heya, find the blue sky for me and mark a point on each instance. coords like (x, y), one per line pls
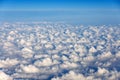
(82, 11)
(58, 4)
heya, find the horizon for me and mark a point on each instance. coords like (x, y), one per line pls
(70, 11)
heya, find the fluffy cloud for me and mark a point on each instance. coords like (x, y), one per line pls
(73, 76)
(92, 50)
(46, 62)
(105, 55)
(59, 51)
(8, 45)
(27, 53)
(118, 54)
(4, 76)
(102, 71)
(8, 63)
(69, 65)
(29, 69)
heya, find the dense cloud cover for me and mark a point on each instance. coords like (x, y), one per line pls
(57, 51)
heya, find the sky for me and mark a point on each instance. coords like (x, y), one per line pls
(80, 11)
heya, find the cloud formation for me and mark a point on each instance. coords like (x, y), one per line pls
(57, 51)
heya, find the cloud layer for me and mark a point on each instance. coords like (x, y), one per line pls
(57, 51)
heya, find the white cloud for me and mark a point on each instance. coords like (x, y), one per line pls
(48, 46)
(80, 48)
(92, 50)
(8, 63)
(55, 56)
(101, 42)
(117, 54)
(88, 59)
(99, 47)
(27, 52)
(105, 55)
(73, 34)
(46, 49)
(4, 76)
(74, 57)
(102, 71)
(43, 41)
(46, 62)
(41, 55)
(10, 38)
(68, 65)
(8, 45)
(73, 76)
(29, 69)
(64, 58)
(83, 40)
(22, 42)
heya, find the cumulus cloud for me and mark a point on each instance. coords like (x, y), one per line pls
(92, 50)
(118, 54)
(27, 52)
(29, 69)
(102, 71)
(105, 55)
(59, 51)
(73, 76)
(4, 76)
(49, 46)
(8, 63)
(46, 62)
(8, 45)
(68, 64)
(80, 48)
(88, 59)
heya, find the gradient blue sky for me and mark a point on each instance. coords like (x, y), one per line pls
(58, 4)
(81, 11)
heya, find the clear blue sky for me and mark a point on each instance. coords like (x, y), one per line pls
(58, 4)
(83, 11)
